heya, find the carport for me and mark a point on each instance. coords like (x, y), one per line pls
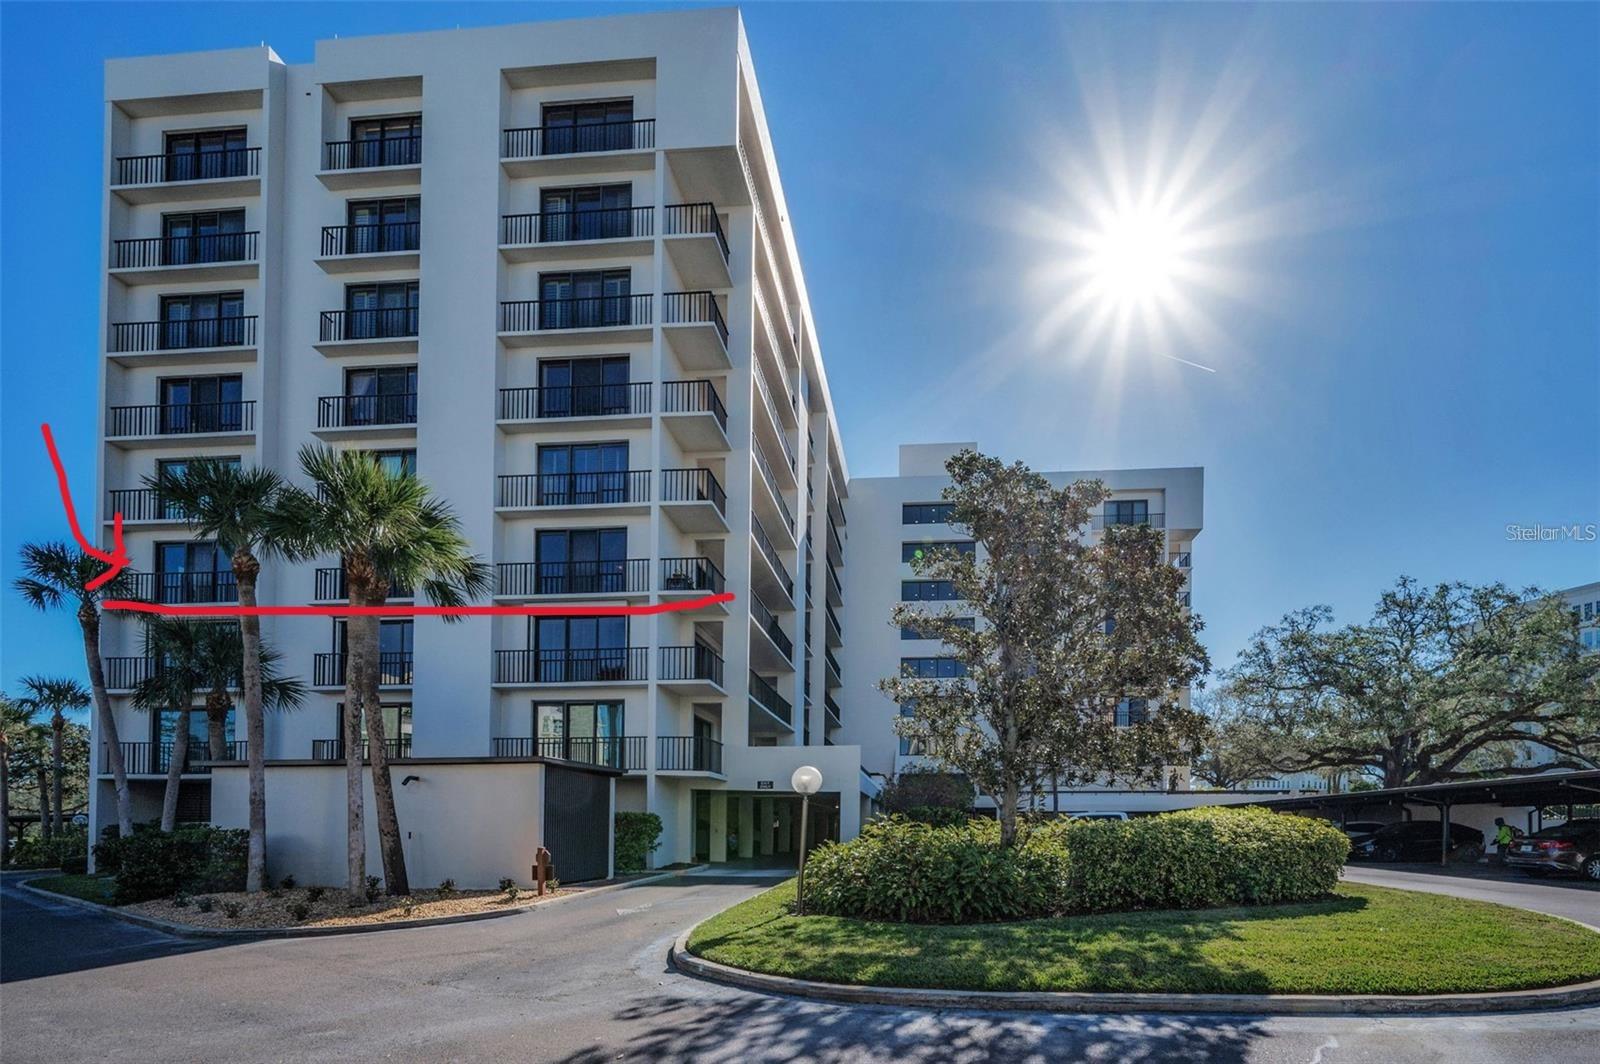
(1548, 790)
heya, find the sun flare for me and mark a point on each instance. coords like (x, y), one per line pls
(1136, 257)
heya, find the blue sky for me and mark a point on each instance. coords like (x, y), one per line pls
(1399, 282)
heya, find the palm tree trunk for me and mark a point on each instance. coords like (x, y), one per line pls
(89, 621)
(389, 844)
(245, 571)
(58, 724)
(217, 706)
(180, 754)
(43, 777)
(361, 653)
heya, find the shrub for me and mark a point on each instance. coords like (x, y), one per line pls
(910, 872)
(76, 865)
(232, 909)
(194, 858)
(72, 846)
(205, 904)
(314, 894)
(638, 836)
(374, 888)
(507, 883)
(287, 882)
(930, 796)
(447, 887)
(299, 910)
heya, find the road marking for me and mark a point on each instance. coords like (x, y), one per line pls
(635, 909)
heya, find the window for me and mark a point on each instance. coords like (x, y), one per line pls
(383, 225)
(394, 649)
(585, 300)
(386, 141)
(579, 649)
(911, 632)
(593, 212)
(910, 552)
(927, 591)
(167, 468)
(375, 311)
(933, 668)
(396, 727)
(591, 732)
(1127, 512)
(202, 404)
(385, 396)
(578, 387)
(401, 463)
(213, 319)
(193, 572)
(1132, 711)
(602, 126)
(204, 236)
(581, 561)
(206, 154)
(926, 513)
(164, 728)
(910, 747)
(583, 473)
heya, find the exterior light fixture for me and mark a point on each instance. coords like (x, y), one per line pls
(806, 781)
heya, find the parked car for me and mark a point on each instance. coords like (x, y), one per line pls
(1570, 847)
(1097, 816)
(1361, 830)
(1416, 840)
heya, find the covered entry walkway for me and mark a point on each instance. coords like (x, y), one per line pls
(759, 828)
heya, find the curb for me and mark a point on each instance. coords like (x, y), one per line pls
(1121, 1003)
(252, 933)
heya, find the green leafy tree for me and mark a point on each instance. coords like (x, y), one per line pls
(56, 575)
(1436, 676)
(1068, 626)
(57, 694)
(238, 509)
(383, 526)
(18, 731)
(1235, 747)
(929, 795)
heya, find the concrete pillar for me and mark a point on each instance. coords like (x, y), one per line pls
(849, 816)
(719, 827)
(747, 826)
(764, 826)
(786, 827)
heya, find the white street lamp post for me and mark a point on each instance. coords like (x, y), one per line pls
(806, 781)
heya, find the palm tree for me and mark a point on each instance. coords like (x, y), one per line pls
(16, 720)
(57, 694)
(56, 575)
(237, 508)
(385, 527)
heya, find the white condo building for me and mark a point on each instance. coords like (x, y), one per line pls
(548, 267)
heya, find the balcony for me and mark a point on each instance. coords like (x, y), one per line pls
(697, 245)
(150, 425)
(218, 173)
(201, 257)
(772, 649)
(834, 679)
(1102, 521)
(378, 331)
(835, 588)
(835, 631)
(175, 343)
(692, 578)
(694, 500)
(348, 164)
(835, 545)
(596, 233)
(376, 246)
(603, 147)
(693, 412)
(142, 506)
(623, 491)
(153, 759)
(625, 752)
(585, 405)
(692, 670)
(614, 319)
(770, 711)
(609, 579)
(394, 669)
(689, 754)
(397, 748)
(125, 673)
(835, 720)
(330, 586)
(343, 417)
(173, 588)
(586, 667)
(770, 574)
(777, 510)
(694, 328)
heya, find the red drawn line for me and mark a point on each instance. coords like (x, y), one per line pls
(117, 559)
(418, 611)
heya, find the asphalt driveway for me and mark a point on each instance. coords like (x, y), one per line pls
(1572, 898)
(586, 981)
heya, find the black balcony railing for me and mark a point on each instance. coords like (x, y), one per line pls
(198, 250)
(768, 623)
(693, 485)
(333, 749)
(624, 752)
(394, 669)
(833, 621)
(770, 553)
(584, 400)
(763, 694)
(574, 489)
(530, 579)
(686, 219)
(345, 411)
(384, 323)
(331, 587)
(371, 239)
(142, 504)
(598, 223)
(531, 142)
(833, 709)
(834, 672)
(183, 587)
(360, 154)
(693, 397)
(153, 759)
(188, 166)
(126, 673)
(691, 574)
(591, 665)
(587, 312)
(697, 662)
(133, 336)
(688, 753)
(179, 419)
(693, 308)
(1110, 520)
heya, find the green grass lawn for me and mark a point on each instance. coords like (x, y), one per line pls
(89, 888)
(1365, 940)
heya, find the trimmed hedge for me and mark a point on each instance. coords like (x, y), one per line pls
(907, 872)
(54, 852)
(195, 859)
(638, 836)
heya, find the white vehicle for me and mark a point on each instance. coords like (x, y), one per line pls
(1097, 816)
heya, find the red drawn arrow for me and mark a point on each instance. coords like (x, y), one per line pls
(118, 558)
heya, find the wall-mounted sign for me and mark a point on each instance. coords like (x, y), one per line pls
(763, 785)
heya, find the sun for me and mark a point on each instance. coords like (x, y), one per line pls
(1135, 257)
